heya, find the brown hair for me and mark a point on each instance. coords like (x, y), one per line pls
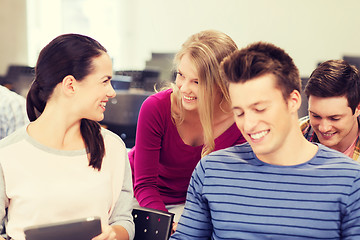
(335, 78)
(262, 58)
(68, 54)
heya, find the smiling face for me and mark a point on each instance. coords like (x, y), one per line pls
(333, 121)
(95, 89)
(187, 81)
(261, 114)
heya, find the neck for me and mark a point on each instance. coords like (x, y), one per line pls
(295, 154)
(192, 116)
(57, 130)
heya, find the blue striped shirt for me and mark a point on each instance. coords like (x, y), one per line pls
(234, 195)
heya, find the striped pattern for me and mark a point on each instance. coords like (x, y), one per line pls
(233, 195)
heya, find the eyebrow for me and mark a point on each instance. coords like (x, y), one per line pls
(252, 105)
(107, 77)
(335, 115)
(179, 71)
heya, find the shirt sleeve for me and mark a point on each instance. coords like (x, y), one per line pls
(350, 226)
(13, 112)
(150, 130)
(122, 213)
(195, 222)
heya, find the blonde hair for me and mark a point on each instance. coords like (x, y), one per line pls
(206, 50)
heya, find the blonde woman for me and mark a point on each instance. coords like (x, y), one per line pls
(178, 126)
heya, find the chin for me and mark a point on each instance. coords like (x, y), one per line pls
(190, 107)
(329, 144)
(96, 119)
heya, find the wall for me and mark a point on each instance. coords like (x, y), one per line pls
(309, 30)
(13, 47)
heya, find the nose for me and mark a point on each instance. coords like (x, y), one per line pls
(111, 93)
(324, 126)
(250, 122)
(184, 86)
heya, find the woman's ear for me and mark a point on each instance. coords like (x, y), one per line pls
(294, 101)
(68, 85)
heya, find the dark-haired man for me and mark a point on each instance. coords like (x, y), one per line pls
(333, 93)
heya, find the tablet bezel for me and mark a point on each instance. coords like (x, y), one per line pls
(80, 229)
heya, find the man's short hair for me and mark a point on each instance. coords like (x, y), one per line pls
(262, 58)
(335, 78)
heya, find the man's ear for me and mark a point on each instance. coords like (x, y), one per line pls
(357, 110)
(294, 101)
(68, 85)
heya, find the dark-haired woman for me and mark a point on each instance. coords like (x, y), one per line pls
(63, 165)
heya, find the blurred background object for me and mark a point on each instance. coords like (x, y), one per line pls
(19, 78)
(142, 36)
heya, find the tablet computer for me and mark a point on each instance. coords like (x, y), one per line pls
(79, 229)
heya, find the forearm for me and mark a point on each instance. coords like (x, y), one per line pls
(146, 172)
(149, 136)
(149, 197)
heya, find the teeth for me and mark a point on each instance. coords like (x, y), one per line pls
(259, 135)
(328, 134)
(189, 98)
(103, 104)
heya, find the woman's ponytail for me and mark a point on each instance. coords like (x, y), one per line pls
(34, 104)
(91, 133)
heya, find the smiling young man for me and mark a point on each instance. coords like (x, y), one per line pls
(278, 185)
(333, 93)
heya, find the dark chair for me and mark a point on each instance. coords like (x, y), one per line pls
(151, 224)
(19, 78)
(122, 113)
(145, 79)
